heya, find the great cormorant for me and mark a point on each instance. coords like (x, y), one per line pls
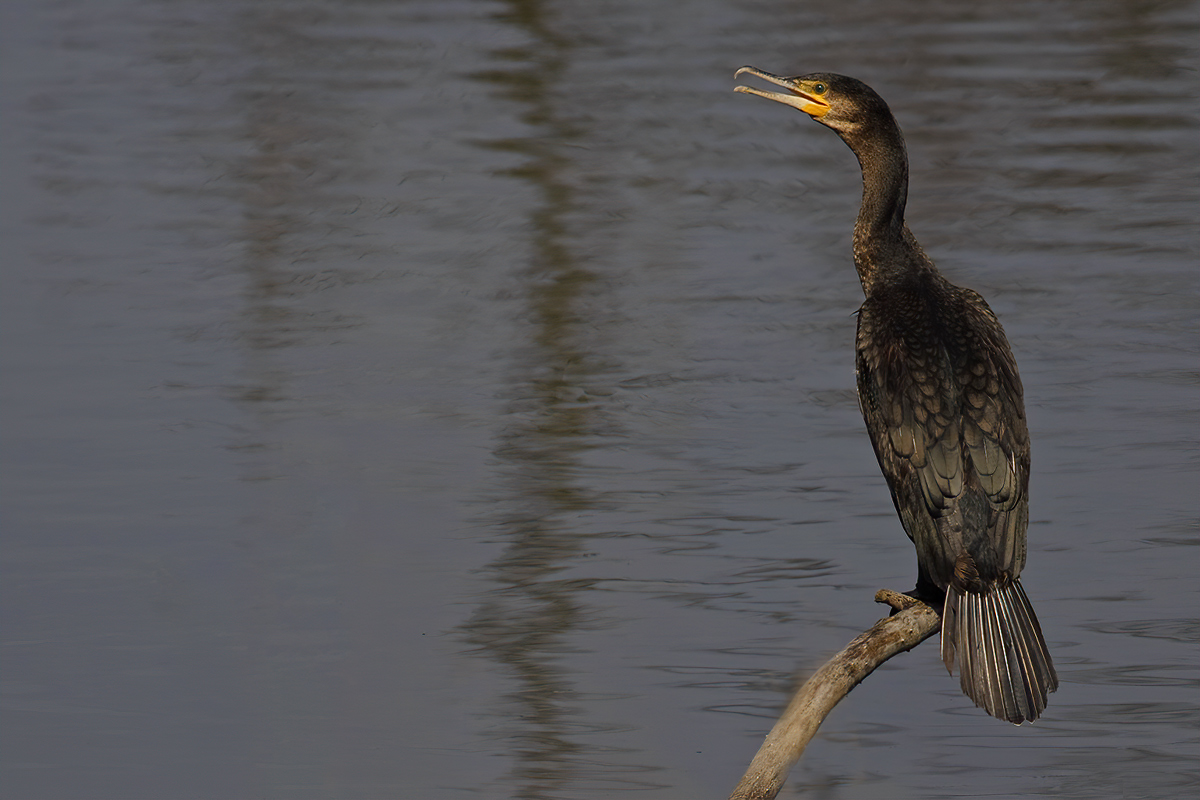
(939, 391)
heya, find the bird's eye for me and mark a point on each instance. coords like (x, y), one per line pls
(818, 88)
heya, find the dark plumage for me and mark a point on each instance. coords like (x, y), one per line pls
(943, 404)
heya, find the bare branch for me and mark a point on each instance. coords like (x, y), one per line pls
(913, 623)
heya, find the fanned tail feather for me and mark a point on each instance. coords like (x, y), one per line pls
(1004, 665)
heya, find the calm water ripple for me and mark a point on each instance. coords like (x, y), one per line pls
(455, 399)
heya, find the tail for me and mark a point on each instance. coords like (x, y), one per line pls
(1003, 662)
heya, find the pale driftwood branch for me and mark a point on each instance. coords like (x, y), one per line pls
(813, 701)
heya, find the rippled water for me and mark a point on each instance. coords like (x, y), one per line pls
(455, 399)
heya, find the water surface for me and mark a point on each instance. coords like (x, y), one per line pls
(455, 399)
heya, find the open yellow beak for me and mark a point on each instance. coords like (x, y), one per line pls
(807, 102)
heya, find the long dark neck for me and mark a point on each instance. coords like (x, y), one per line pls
(884, 163)
(883, 248)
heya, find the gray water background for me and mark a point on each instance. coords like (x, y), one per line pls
(455, 399)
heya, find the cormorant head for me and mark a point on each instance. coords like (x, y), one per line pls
(845, 104)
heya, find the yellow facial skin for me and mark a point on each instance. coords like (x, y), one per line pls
(805, 95)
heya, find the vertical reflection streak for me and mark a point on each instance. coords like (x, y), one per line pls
(525, 620)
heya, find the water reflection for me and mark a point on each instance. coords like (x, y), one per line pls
(283, 187)
(525, 621)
